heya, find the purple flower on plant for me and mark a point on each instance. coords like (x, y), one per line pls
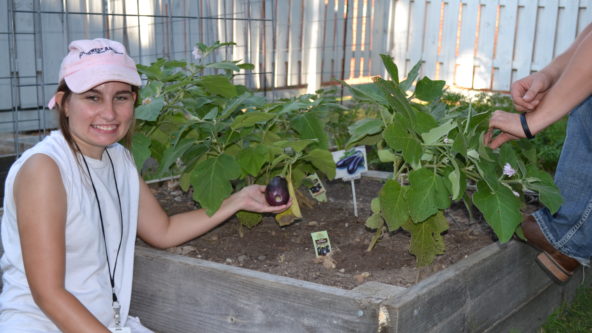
(196, 53)
(508, 170)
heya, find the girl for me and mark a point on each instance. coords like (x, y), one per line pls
(75, 202)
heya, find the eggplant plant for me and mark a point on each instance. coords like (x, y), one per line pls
(218, 136)
(438, 157)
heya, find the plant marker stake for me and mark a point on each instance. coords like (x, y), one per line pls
(354, 197)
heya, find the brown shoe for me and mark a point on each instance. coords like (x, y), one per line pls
(556, 264)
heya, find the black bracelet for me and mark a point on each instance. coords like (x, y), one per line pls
(525, 126)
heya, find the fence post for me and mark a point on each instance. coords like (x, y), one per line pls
(312, 42)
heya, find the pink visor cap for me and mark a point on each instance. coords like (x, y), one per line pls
(93, 62)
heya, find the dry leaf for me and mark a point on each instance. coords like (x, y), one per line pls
(360, 278)
(327, 261)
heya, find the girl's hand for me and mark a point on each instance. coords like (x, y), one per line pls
(252, 198)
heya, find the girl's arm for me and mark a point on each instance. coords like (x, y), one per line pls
(40, 200)
(162, 231)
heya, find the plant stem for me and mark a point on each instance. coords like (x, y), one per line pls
(468, 117)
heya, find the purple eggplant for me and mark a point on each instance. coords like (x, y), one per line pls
(276, 192)
(346, 161)
(353, 165)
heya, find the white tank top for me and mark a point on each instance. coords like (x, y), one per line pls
(87, 275)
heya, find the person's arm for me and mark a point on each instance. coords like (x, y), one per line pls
(41, 213)
(156, 228)
(571, 88)
(528, 92)
(573, 85)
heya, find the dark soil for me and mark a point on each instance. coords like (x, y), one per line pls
(288, 251)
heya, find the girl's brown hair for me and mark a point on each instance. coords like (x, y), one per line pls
(63, 119)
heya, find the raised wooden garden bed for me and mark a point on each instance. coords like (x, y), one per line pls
(496, 289)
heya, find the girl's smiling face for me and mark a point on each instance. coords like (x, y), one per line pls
(100, 116)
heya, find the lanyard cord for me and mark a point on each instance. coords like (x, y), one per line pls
(111, 275)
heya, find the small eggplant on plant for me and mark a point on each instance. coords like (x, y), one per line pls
(276, 192)
(293, 213)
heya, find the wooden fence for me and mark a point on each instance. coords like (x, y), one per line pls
(475, 44)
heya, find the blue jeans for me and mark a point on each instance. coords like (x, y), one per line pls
(570, 229)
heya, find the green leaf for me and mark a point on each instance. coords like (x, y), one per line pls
(390, 66)
(508, 155)
(218, 85)
(249, 219)
(436, 133)
(413, 73)
(297, 145)
(409, 123)
(151, 110)
(488, 172)
(174, 64)
(399, 139)
(428, 90)
(246, 66)
(154, 71)
(460, 145)
(427, 194)
(386, 155)
(368, 92)
(226, 65)
(426, 238)
(309, 126)
(501, 209)
(235, 103)
(375, 221)
(396, 99)
(369, 140)
(322, 160)
(394, 205)
(458, 183)
(172, 153)
(211, 181)
(140, 149)
(212, 114)
(438, 110)
(375, 205)
(150, 90)
(424, 122)
(251, 118)
(472, 153)
(549, 195)
(252, 159)
(185, 181)
(193, 155)
(362, 128)
(548, 192)
(289, 107)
